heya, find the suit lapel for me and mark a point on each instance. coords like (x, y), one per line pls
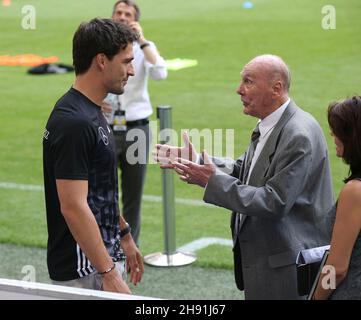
(263, 162)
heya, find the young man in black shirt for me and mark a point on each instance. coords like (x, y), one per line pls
(87, 237)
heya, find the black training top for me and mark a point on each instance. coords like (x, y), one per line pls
(78, 145)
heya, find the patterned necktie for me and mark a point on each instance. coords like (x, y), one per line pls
(252, 147)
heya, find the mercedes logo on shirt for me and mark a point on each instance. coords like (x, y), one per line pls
(103, 135)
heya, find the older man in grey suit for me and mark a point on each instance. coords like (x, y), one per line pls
(279, 191)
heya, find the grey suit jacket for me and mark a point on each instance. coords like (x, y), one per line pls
(287, 205)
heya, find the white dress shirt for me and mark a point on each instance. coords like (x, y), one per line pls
(266, 127)
(135, 99)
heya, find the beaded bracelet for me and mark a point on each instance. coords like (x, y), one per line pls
(108, 270)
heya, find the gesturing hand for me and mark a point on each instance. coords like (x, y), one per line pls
(194, 173)
(165, 154)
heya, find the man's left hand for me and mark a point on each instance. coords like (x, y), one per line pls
(134, 259)
(194, 173)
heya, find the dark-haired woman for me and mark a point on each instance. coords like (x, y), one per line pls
(344, 119)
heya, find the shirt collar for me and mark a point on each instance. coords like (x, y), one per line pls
(271, 120)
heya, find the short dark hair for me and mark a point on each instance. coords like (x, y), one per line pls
(131, 4)
(344, 119)
(99, 36)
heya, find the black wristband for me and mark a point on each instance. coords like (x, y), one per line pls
(108, 270)
(145, 44)
(125, 231)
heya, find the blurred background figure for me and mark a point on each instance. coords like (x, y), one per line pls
(128, 115)
(344, 119)
(6, 3)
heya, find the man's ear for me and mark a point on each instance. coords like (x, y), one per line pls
(278, 88)
(100, 61)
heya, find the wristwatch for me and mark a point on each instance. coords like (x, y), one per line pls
(145, 44)
(125, 231)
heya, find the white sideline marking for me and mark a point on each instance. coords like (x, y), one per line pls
(189, 247)
(203, 243)
(146, 197)
(18, 186)
(190, 202)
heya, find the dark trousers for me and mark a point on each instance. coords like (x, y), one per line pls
(132, 149)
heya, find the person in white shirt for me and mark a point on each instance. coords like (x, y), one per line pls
(279, 190)
(128, 115)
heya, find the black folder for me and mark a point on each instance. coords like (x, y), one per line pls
(308, 266)
(317, 278)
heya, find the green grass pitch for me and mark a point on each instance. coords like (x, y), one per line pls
(222, 36)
